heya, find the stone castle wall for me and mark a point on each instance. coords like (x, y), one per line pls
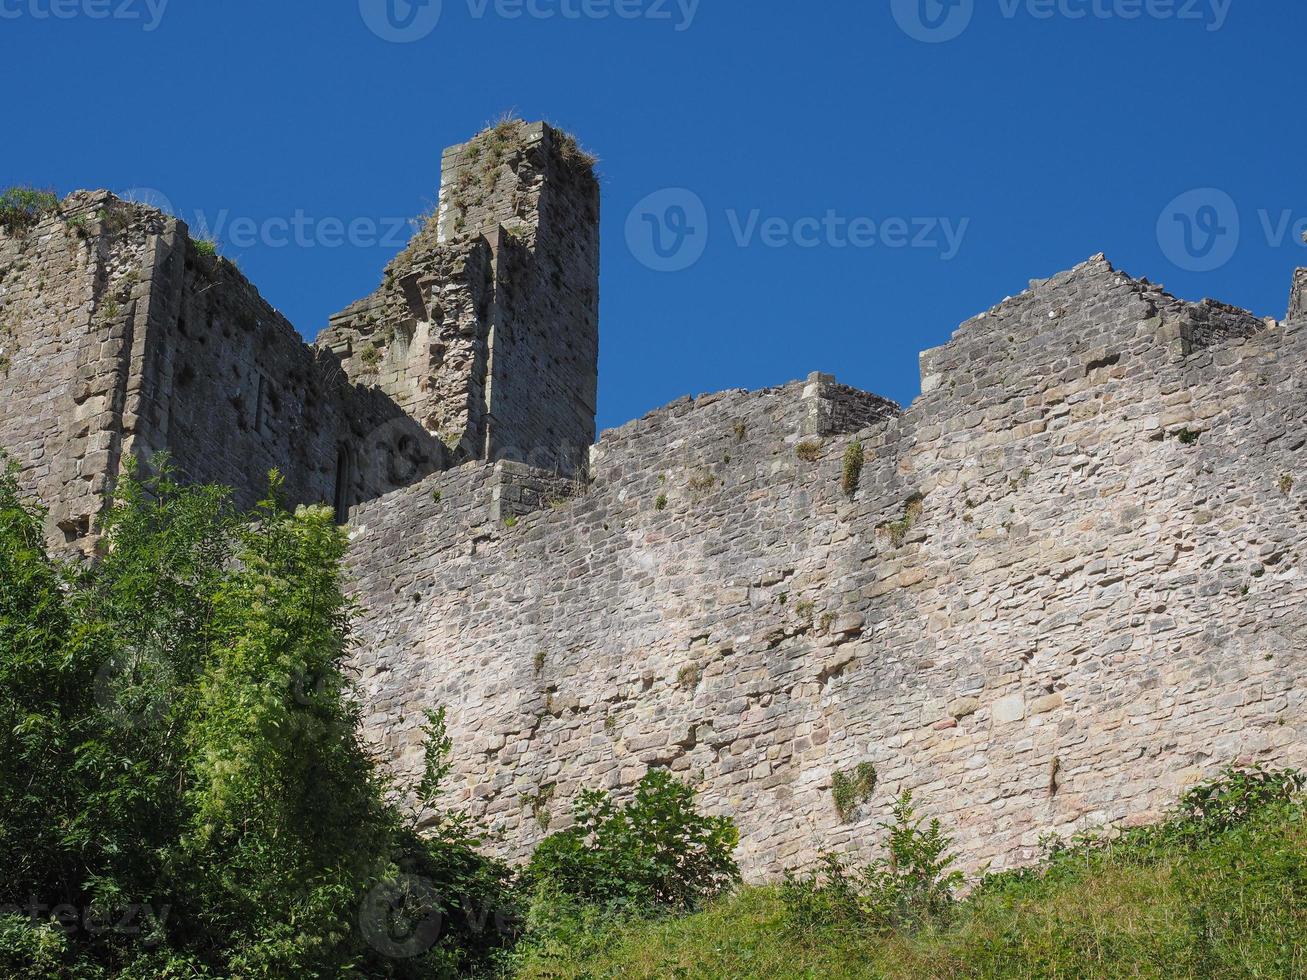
(70, 323)
(1298, 298)
(1068, 585)
(231, 391)
(1061, 586)
(122, 338)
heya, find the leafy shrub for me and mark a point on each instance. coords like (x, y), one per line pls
(22, 207)
(34, 948)
(1180, 899)
(179, 749)
(913, 884)
(915, 880)
(829, 897)
(1236, 797)
(655, 853)
(1231, 907)
(206, 247)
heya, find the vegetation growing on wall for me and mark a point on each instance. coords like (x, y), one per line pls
(897, 531)
(851, 789)
(22, 207)
(370, 357)
(851, 475)
(809, 450)
(207, 247)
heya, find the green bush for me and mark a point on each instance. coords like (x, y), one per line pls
(1236, 797)
(181, 773)
(912, 885)
(206, 247)
(656, 853)
(829, 897)
(22, 207)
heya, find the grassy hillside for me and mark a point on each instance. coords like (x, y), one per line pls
(1232, 903)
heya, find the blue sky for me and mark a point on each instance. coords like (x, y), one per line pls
(863, 189)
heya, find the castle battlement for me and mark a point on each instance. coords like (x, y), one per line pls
(1061, 586)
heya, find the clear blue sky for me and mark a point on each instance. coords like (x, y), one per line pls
(1044, 137)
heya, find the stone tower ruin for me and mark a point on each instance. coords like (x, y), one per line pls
(122, 337)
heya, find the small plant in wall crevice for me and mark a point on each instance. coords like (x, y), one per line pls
(809, 450)
(854, 459)
(898, 530)
(206, 247)
(852, 788)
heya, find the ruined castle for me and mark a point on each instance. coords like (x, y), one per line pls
(1062, 585)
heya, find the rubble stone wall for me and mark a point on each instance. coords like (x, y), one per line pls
(74, 310)
(1067, 585)
(119, 336)
(231, 391)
